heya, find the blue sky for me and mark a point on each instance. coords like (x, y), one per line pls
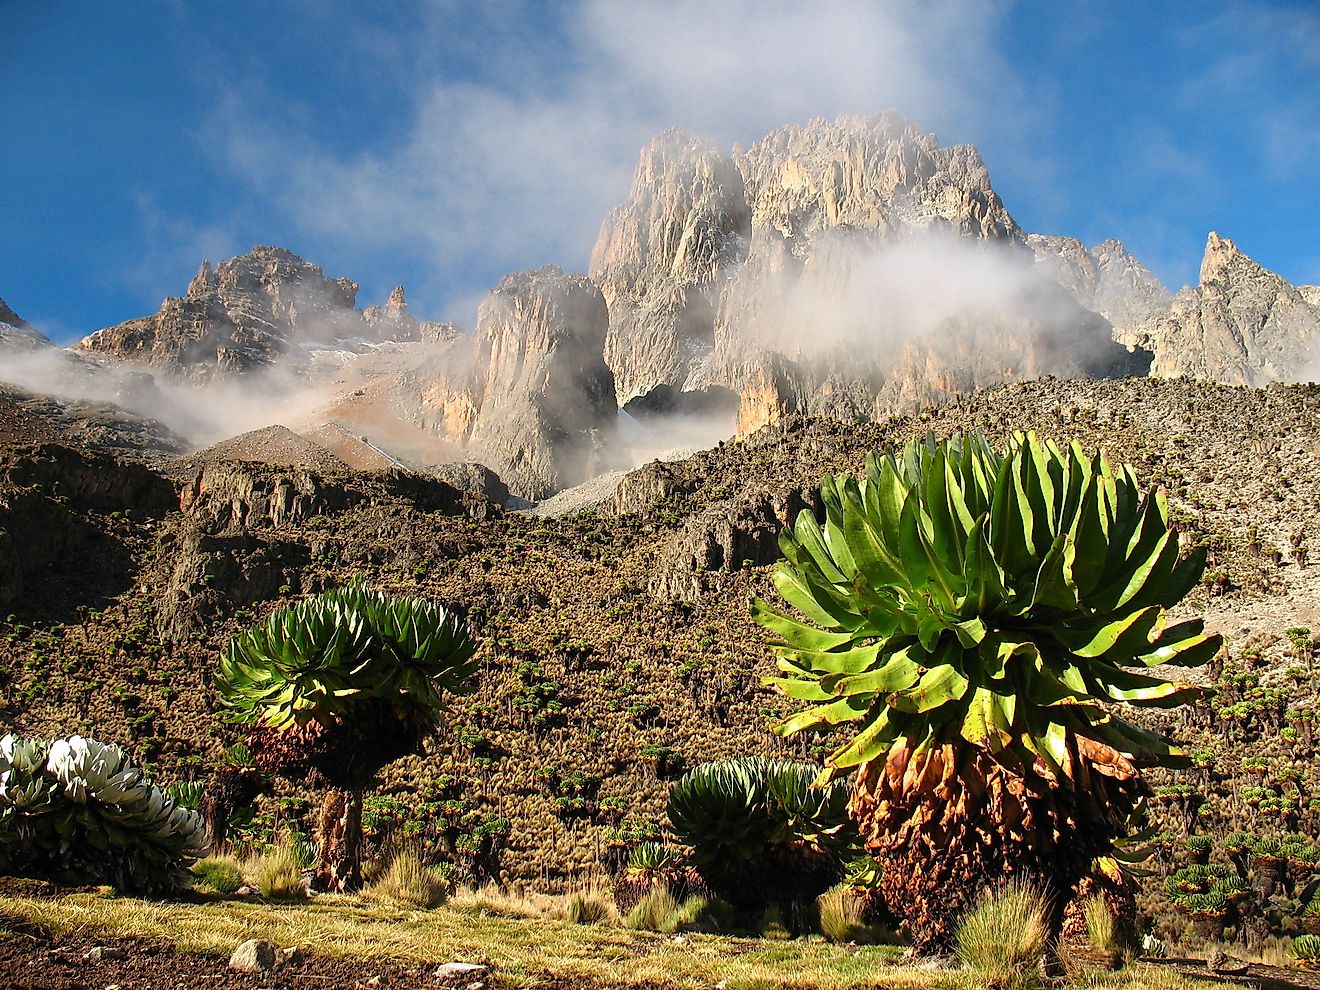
(442, 144)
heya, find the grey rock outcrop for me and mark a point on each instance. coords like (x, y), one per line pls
(1106, 279)
(528, 392)
(236, 495)
(17, 334)
(254, 956)
(1242, 325)
(661, 259)
(245, 313)
(469, 476)
(393, 321)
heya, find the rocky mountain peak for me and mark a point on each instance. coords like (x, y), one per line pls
(203, 282)
(17, 334)
(248, 311)
(1106, 279)
(879, 173)
(708, 247)
(1243, 325)
(7, 315)
(395, 306)
(661, 257)
(1222, 260)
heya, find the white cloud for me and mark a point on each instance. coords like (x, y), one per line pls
(519, 170)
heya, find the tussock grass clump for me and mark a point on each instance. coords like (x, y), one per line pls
(654, 913)
(842, 918)
(590, 907)
(1003, 937)
(279, 874)
(1101, 926)
(408, 882)
(221, 874)
(772, 924)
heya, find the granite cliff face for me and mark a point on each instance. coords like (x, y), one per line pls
(802, 269)
(528, 392)
(1243, 325)
(661, 259)
(245, 313)
(1106, 279)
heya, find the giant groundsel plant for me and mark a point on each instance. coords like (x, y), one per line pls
(77, 811)
(978, 619)
(759, 832)
(341, 684)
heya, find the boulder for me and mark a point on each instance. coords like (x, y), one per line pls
(256, 955)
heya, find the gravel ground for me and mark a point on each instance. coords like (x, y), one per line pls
(588, 495)
(270, 445)
(32, 962)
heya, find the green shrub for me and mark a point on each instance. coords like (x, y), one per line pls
(77, 811)
(759, 831)
(218, 873)
(1003, 937)
(302, 848)
(408, 882)
(1306, 950)
(652, 857)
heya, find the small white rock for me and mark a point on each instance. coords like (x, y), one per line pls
(453, 970)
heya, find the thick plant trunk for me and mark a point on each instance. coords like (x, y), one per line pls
(340, 840)
(215, 815)
(953, 821)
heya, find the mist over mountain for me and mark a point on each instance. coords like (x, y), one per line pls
(852, 269)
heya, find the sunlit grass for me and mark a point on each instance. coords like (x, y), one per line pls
(522, 950)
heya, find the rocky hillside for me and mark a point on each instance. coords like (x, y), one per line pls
(1243, 324)
(617, 645)
(251, 310)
